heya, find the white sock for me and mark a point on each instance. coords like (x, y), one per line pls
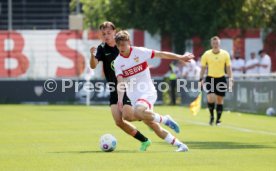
(172, 140)
(159, 119)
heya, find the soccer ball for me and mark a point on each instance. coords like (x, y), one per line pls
(270, 111)
(108, 143)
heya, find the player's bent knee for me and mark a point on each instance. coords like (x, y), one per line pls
(128, 113)
(127, 117)
(138, 111)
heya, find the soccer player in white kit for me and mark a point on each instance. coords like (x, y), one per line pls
(131, 67)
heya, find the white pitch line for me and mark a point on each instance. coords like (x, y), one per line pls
(234, 128)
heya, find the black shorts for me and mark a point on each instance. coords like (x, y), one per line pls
(113, 99)
(216, 85)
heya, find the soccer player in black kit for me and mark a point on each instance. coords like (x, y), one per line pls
(107, 52)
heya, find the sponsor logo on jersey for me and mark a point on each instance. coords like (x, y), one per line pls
(135, 69)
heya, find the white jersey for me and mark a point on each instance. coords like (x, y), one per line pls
(265, 61)
(237, 64)
(135, 71)
(251, 62)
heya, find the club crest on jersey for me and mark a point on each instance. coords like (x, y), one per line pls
(136, 59)
(112, 65)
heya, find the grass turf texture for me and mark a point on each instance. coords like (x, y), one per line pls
(67, 137)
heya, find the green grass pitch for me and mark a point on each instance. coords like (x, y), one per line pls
(66, 138)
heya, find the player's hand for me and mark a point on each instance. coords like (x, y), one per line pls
(93, 50)
(120, 105)
(187, 57)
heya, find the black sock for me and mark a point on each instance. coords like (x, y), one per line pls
(140, 137)
(211, 107)
(219, 111)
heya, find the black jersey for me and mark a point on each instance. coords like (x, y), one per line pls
(107, 55)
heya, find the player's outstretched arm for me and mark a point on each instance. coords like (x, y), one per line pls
(168, 55)
(120, 91)
(93, 60)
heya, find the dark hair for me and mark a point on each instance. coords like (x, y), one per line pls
(122, 36)
(107, 24)
(261, 51)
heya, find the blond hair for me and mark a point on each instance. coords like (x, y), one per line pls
(122, 36)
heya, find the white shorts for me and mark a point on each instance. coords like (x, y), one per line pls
(145, 99)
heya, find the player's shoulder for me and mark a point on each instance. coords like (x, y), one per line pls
(101, 47)
(139, 49)
(207, 52)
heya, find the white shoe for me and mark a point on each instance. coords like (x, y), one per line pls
(182, 148)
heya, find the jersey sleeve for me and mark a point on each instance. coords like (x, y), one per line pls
(146, 53)
(99, 54)
(203, 61)
(228, 59)
(117, 68)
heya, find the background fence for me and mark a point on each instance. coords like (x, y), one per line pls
(253, 96)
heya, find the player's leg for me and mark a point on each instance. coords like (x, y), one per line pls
(167, 136)
(158, 130)
(117, 117)
(219, 108)
(211, 106)
(220, 93)
(210, 84)
(128, 114)
(143, 111)
(126, 126)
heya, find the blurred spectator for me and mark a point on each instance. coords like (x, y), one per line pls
(265, 63)
(251, 66)
(238, 65)
(198, 62)
(190, 71)
(173, 74)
